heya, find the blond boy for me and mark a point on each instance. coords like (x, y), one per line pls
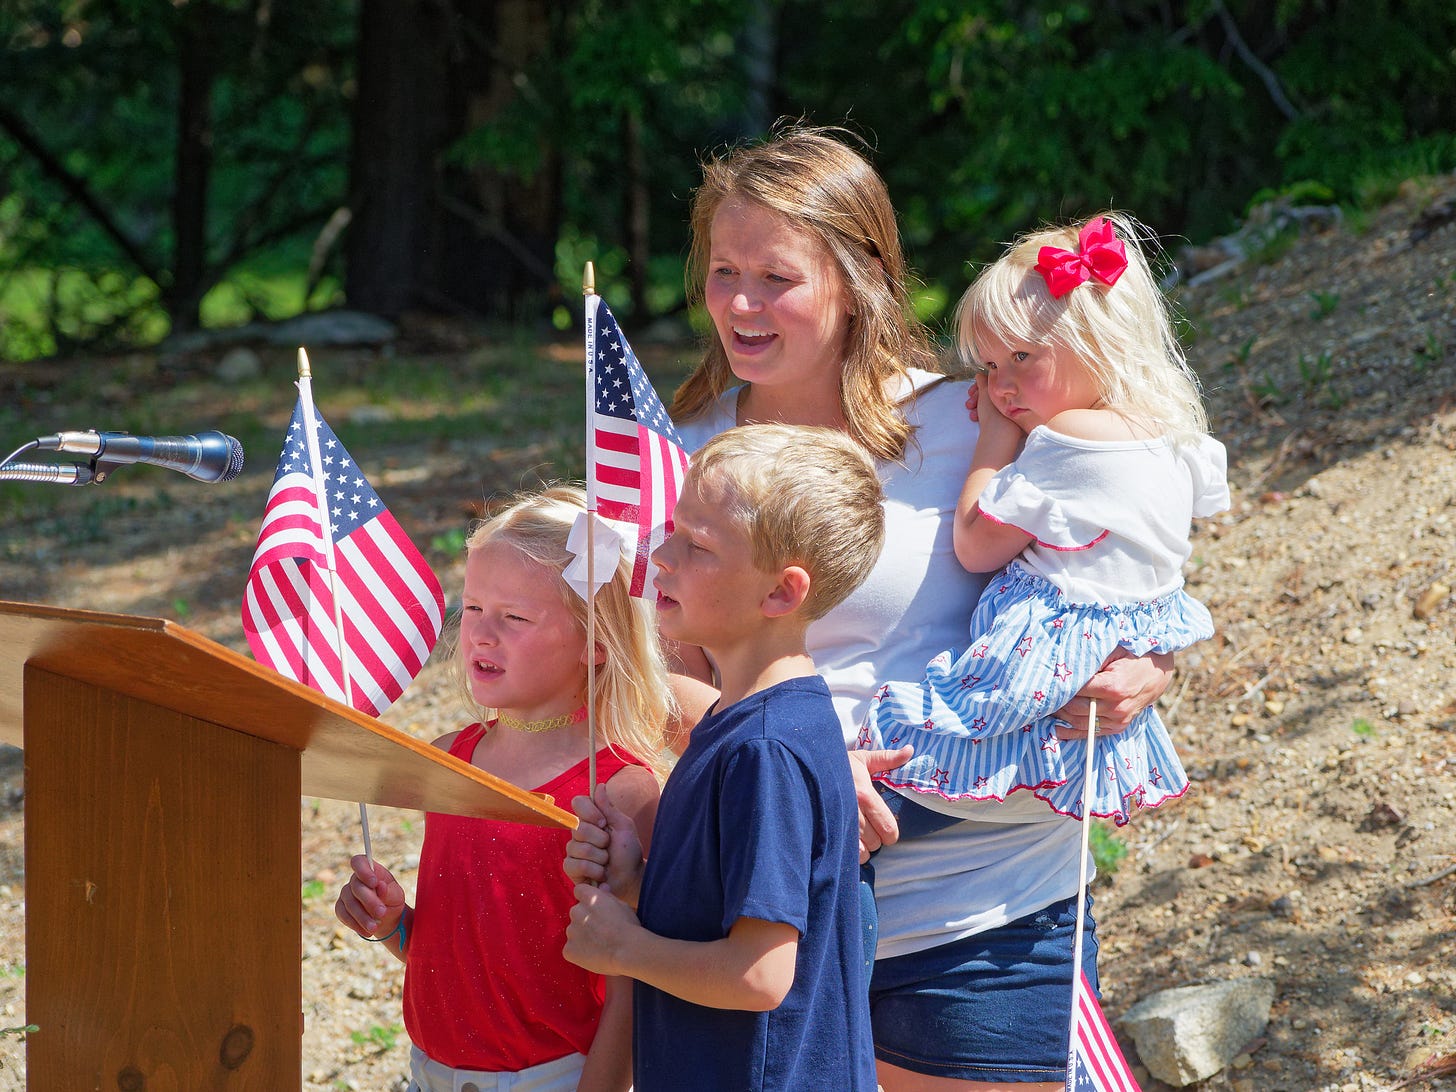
(746, 942)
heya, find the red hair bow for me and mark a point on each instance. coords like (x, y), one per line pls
(1102, 255)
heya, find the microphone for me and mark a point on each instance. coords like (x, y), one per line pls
(210, 456)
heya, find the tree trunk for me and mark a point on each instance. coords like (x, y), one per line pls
(758, 49)
(196, 66)
(427, 234)
(504, 259)
(398, 135)
(639, 205)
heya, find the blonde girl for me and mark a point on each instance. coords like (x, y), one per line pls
(488, 998)
(1092, 459)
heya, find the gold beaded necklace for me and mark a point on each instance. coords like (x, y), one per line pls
(549, 724)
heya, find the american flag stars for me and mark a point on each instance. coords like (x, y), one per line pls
(389, 600)
(635, 456)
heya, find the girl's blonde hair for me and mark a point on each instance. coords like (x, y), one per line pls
(632, 696)
(1122, 333)
(825, 188)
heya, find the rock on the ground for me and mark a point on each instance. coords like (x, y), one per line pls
(1190, 1033)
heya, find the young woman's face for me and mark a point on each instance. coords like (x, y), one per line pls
(1032, 383)
(776, 297)
(522, 650)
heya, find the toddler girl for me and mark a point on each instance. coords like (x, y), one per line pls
(1092, 459)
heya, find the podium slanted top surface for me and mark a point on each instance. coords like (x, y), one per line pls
(345, 754)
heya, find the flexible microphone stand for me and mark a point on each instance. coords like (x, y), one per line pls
(54, 473)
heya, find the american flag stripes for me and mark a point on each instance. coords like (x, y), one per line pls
(390, 601)
(635, 458)
(1094, 1061)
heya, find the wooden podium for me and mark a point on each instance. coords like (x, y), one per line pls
(163, 774)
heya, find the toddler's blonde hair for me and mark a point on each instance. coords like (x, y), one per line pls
(632, 697)
(1123, 333)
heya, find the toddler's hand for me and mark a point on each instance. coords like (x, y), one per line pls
(997, 430)
(372, 901)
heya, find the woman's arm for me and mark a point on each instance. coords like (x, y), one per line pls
(609, 844)
(634, 792)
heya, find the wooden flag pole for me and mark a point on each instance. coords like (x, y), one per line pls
(321, 501)
(1087, 770)
(589, 291)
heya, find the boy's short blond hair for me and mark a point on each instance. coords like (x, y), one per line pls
(809, 497)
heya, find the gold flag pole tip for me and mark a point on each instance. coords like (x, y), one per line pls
(304, 372)
(589, 280)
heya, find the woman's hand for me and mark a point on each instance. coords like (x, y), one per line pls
(1123, 688)
(877, 826)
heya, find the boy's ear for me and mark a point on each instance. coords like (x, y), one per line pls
(789, 593)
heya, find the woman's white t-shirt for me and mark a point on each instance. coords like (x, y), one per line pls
(1012, 858)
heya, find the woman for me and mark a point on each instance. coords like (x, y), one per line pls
(796, 257)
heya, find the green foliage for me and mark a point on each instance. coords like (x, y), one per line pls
(313, 890)
(452, 542)
(985, 117)
(1363, 728)
(610, 133)
(379, 1036)
(90, 105)
(1324, 303)
(1373, 84)
(1315, 372)
(1431, 352)
(1108, 850)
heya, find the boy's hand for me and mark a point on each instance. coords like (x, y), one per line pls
(604, 847)
(599, 923)
(877, 827)
(372, 901)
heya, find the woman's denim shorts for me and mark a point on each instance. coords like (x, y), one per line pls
(992, 1007)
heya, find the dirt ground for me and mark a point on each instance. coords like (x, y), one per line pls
(1317, 846)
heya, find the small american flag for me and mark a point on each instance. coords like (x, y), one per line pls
(636, 460)
(391, 601)
(1094, 1061)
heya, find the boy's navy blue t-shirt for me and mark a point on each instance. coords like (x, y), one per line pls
(758, 819)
